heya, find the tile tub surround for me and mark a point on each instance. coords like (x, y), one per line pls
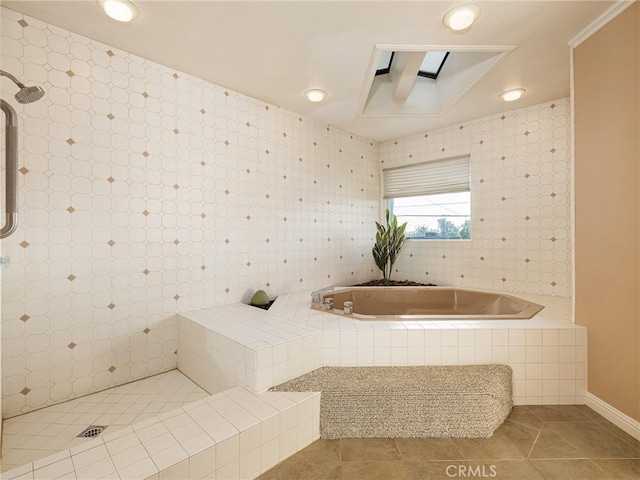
(547, 353)
(38, 434)
(144, 191)
(233, 435)
(520, 202)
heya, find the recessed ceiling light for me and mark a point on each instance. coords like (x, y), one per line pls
(461, 17)
(511, 95)
(315, 95)
(120, 10)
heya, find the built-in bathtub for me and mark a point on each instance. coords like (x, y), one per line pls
(427, 303)
(257, 349)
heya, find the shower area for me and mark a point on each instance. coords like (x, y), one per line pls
(132, 192)
(35, 435)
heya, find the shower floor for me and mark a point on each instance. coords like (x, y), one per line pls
(37, 434)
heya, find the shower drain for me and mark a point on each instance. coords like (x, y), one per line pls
(92, 431)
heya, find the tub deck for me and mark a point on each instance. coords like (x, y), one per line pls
(241, 345)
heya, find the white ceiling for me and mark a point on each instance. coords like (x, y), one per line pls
(275, 51)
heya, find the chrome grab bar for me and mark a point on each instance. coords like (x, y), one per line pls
(10, 170)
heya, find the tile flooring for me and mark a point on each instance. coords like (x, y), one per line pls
(568, 442)
(43, 432)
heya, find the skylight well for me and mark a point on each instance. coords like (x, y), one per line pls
(424, 81)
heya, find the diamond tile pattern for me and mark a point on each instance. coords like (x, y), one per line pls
(519, 170)
(71, 145)
(120, 117)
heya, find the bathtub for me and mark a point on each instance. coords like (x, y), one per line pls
(425, 303)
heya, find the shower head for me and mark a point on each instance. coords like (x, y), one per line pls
(25, 94)
(29, 94)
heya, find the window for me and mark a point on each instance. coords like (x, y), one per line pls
(434, 198)
(430, 68)
(432, 64)
(384, 65)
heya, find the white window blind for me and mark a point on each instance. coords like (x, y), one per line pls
(449, 175)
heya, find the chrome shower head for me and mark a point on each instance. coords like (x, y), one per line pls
(25, 94)
(29, 94)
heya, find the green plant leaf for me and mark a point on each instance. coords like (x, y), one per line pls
(389, 241)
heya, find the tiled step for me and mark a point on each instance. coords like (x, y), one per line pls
(230, 435)
(221, 347)
(34, 435)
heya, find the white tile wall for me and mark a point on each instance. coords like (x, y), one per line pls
(520, 195)
(144, 192)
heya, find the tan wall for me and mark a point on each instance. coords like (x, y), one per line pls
(607, 179)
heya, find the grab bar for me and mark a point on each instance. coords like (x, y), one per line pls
(11, 170)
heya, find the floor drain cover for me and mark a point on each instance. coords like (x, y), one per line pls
(92, 431)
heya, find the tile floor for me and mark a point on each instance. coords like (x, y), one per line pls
(38, 434)
(568, 442)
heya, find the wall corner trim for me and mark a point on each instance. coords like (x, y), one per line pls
(612, 12)
(615, 416)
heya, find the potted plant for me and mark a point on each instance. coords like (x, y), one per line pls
(389, 241)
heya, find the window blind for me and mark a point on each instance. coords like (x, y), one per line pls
(449, 175)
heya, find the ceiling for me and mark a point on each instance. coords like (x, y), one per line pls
(275, 51)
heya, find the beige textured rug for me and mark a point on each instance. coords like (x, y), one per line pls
(465, 401)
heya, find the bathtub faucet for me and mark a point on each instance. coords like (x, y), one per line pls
(316, 293)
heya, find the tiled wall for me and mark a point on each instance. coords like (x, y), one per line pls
(520, 178)
(144, 192)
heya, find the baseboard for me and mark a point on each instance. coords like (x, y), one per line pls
(615, 416)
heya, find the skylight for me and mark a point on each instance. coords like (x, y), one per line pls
(432, 64)
(430, 67)
(384, 65)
